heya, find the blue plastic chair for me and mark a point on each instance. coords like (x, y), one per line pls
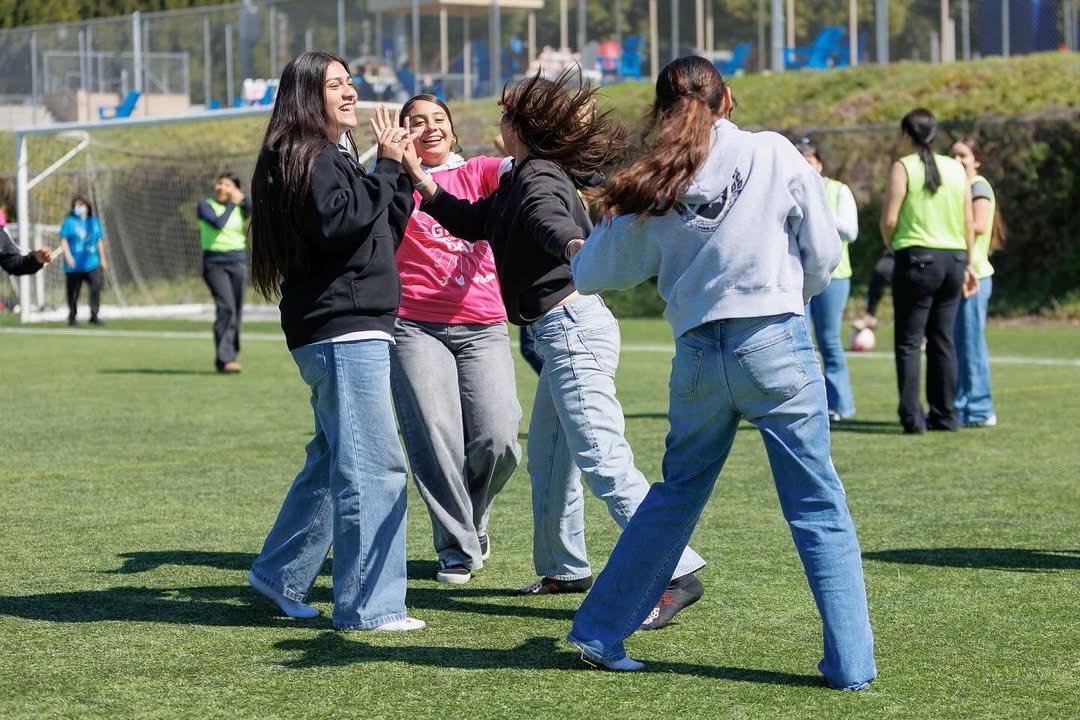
(631, 61)
(122, 110)
(213, 105)
(268, 96)
(823, 53)
(739, 56)
(863, 45)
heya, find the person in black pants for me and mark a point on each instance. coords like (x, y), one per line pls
(224, 240)
(927, 219)
(83, 244)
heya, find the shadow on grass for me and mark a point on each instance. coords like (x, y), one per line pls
(1019, 559)
(870, 427)
(154, 371)
(137, 562)
(538, 653)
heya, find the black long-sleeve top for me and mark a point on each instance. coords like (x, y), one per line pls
(353, 223)
(12, 260)
(529, 221)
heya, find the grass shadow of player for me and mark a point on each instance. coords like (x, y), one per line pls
(1015, 559)
(538, 653)
(154, 371)
(869, 427)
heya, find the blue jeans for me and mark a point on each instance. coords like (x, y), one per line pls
(974, 403)
(350, 494)
(577, 429)
(827, 313)
(763, 369)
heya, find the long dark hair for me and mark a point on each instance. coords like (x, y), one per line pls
(921, 126)
(564, 127)
(689, 95)
(426, 97)
(1000, 232)
(294, 138)
(84, 201)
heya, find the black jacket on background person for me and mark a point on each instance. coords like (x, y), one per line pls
(529, 221)
(352, 225)
(12, 260)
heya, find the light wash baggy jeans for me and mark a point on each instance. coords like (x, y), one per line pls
(762, 369)
(457, 403)
(577, 430)
(351, 493)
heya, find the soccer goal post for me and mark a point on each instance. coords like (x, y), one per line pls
(143, 179)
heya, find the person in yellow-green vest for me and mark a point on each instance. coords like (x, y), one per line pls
(927, 220)
(974, 401)
(223, 235)
(827, 307)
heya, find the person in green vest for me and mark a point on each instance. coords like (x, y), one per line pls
(974, 401)
(927, 220)
(223, 235)
(827, 307)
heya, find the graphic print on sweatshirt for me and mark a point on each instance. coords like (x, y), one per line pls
(708, 216)
(459, 261)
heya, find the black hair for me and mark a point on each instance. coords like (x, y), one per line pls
(84, 201)
(232, 177)
(921, 126)
(427, 97)
(295, 137)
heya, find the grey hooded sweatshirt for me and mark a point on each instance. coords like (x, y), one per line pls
(752, 236)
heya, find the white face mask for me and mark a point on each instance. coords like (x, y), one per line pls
(82, 211)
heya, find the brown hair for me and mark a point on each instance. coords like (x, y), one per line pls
(564, 127)
(426, 97)
(999, 233)
(689, 95)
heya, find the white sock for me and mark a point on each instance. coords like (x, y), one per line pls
(292, 608)
(402, 625)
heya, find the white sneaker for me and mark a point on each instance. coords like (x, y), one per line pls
(453, 574)
(292, 608)
(988, 422)
(402, 625)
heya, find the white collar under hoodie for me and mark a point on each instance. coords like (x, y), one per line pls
(751, 236)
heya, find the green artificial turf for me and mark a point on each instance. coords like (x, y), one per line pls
(138, 485)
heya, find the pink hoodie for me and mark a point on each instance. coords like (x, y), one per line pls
(444, 279)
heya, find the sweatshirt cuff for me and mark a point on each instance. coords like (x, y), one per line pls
(388, 165)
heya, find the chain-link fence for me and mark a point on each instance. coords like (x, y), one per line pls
(228, 55)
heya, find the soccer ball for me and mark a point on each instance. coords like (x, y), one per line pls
(863, 340)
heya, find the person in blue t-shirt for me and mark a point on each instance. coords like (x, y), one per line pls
(83, 245)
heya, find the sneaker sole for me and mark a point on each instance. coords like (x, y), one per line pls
(452, 578)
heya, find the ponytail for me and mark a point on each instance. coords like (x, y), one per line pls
(921, 126)
(1000, 233)
(690, 95)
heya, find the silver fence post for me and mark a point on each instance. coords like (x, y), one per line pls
(34, 74)
(495, 26)
(39, 278)
(778, 35)
(965, 29)
(881, 30)
(137, 49)
(415, 50)
(207, 91)
(82, 78)
(272, 41)
(654, 39)
(228, 66)
(341, 28)
(674, 29)
(582, 22)
(1005, 28)
(22, 207)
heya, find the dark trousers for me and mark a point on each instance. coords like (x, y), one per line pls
(95, 279)
(927, 287)
(226, 282)
(528, 350)
(880, 279)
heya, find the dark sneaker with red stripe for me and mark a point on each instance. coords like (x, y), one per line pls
(679, 595)
(551, 586)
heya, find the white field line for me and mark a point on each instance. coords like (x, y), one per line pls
(628, 347)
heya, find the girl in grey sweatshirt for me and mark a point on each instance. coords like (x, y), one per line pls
(737, 229)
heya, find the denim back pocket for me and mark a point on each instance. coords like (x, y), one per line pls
(685, 371)
(603, 345)
(312, 362)
(773, 366)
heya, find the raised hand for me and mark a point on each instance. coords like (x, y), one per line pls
(390, 138)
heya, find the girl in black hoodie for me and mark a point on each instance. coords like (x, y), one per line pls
(324, 233)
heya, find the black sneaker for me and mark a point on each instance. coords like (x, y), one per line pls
(485, 546)
(551, 586)
(72, 322)
(680, 594)
(453, 574)
(97, 321)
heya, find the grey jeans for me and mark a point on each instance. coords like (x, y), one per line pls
(457, 405)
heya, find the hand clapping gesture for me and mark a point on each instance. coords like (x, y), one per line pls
(393, 141)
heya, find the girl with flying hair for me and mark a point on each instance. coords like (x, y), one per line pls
(535, 222)
(323, 235)
(737, 228)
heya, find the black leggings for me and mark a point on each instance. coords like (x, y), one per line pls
(880, 279)
(95, 279)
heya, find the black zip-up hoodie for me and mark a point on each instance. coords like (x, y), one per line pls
(353, 223)
(529, 221)
(12, 260)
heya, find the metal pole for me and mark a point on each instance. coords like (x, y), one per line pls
(778, 35)
(532, 36)
(415, 49)
(943, 8)
(710, 28)
(495, 31)
(618, 23)
(273, 41)
(674, 29)
(699, 25)
(564, 26)
(378, 35)
(789, 24)
(965, 29)
(85, 110)
(137, 49)
(654, 40)
(582, 22)
(466, 65)
(39, 278)
(228, 66)
(761, 35)
(853, 32)
(22, 207)
(34, 74)
(881, 30)
(341, 28)
(207, 91)
(444, 40)
(309, 40)
(1005, 28)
